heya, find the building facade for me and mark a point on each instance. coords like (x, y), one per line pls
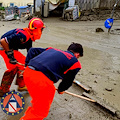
(99, 4)
(7, 3)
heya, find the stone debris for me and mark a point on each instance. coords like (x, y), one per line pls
(108, 89)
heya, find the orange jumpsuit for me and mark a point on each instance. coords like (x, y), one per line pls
(39, 86)
(12, 70)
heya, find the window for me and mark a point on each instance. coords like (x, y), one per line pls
(11, 4)
(0, 4)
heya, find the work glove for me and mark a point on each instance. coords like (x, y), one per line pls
(60, 92)
(10, 55)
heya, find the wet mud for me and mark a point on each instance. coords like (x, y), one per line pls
(100, 68)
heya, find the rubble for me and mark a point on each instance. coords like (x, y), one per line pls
(98, 14)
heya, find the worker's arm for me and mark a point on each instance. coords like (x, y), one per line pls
(9, 52)
(4, 44)
(67, 80)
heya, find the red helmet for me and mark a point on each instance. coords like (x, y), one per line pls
(36, 23)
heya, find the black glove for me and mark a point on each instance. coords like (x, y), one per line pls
(10, 55)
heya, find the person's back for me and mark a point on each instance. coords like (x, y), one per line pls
(55, 62)
(18, 39)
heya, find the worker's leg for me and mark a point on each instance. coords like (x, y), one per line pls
(19, 80)
(8, 74)
(12, 70)
(7, 81)
(42, 91)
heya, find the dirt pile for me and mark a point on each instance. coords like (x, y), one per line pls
(100, 67)
(97, 14)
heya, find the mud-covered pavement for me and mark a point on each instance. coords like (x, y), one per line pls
(100, 68)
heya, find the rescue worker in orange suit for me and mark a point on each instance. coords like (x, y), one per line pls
(10, 43)
(44, 67)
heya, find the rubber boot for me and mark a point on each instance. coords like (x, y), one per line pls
(7, 81)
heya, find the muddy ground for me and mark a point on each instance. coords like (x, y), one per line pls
(100, 68)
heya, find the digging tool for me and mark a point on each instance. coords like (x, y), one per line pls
(90, 98)
(101, 103)
(81, 85)
(109, 22)
(20, 64)
(79, 96)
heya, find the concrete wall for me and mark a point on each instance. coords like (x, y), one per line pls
(18, 3)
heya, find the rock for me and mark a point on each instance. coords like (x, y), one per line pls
(108, 89)
(95, 81)
(117, 114)
(70, 116)
(66, 99)
(84, 18)
(99, 30)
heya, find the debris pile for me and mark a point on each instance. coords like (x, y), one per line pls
(15, 13)
(98, 14)
(71, 13)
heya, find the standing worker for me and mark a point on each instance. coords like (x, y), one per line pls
(44, 67)
(9, 44)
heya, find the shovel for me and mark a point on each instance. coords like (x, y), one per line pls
(109, 22)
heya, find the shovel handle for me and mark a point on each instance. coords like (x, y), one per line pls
(20, 64)
(79, 96)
